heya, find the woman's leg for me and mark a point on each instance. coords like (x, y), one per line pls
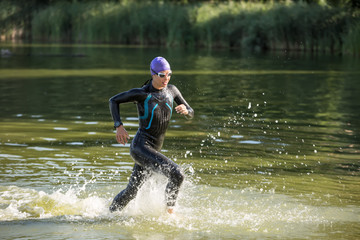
(137, 179)
(152, 159)
(172, 188)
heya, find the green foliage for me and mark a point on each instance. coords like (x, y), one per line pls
(352, 43)
(9, 18)
(247, 25)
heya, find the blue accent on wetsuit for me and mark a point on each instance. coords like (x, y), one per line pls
(146, 145)
(152, 116)
(146, 107)
(170, 109)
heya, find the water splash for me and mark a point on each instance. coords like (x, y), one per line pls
(21, 204)
(201, 209)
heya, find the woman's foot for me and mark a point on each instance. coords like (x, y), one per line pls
(113, 208)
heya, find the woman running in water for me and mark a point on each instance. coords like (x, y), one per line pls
(155, 104)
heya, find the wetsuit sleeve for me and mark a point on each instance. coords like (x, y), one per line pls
(133, 95)
(179, 99)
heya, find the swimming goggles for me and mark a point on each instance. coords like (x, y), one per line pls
(162, 74)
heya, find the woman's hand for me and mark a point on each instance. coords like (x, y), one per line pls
(122, 135)
(181, 109)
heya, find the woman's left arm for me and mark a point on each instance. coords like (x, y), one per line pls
(183, 107)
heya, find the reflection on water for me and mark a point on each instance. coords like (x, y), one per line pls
(273, 151)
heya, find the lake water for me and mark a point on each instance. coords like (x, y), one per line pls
(272, 153)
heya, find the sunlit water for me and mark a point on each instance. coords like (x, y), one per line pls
(272, 153)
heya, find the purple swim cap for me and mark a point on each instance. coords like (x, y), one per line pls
(159, 64)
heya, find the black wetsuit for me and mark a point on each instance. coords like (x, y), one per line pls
(155, 108)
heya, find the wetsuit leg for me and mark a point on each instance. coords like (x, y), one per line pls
(152, 159)
(137, 179)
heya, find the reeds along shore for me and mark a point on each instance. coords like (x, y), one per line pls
(251, 26)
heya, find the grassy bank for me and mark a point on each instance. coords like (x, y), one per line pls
(250, 26)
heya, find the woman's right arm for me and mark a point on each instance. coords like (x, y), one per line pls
(133, 95)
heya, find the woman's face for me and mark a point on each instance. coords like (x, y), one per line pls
(161, 82)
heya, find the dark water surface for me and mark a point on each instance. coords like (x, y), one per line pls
(273, 150)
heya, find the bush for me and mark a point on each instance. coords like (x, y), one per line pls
(252, 26)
